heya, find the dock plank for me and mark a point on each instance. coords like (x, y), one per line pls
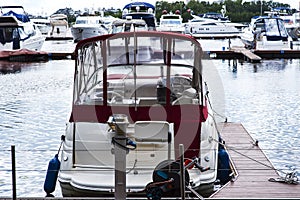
(253, 167)
(247, 53)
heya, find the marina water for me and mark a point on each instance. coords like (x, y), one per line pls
(35, 103)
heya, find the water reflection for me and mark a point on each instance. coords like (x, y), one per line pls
(7, 67)
(266, 65)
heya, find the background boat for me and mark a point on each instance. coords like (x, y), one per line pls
(200, 27)
(59, 26)
(87, 26)
(128, 25)
(171, 23)
(43, 24)
(17, 31)
(266, 32)
(141, 10)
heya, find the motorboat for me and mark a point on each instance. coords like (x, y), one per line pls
(17, 31)
(141, 10)
(213, 25)
(200, 27)
(139, 112)
(59, 25)
(266, 33)
(127, 25)
(88, 26)
(108, 20)
(43, 24)
(170, 22)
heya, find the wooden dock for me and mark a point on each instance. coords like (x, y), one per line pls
(248, 55)
(253, 167)
(253, 56)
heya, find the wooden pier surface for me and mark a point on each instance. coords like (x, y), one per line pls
(248, 55)
(253, 167)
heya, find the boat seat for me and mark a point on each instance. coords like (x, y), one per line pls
(187, 97)
(152, 131)
(153, 134)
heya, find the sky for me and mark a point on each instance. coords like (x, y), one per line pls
(46, 7)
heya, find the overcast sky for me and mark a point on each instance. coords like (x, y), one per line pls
(47, 7)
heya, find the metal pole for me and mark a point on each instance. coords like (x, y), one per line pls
(260, 7)
(182, 172)
(13, 170)
(120, 168)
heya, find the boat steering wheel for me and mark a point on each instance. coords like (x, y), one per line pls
(112, 96)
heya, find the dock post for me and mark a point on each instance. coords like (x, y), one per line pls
(13, 170)
(182, 172)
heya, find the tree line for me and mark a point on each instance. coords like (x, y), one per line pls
(236, 10)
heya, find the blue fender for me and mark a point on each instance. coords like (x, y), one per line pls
(224, 169)
(51, 176)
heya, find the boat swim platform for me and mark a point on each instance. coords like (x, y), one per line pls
(253, 169)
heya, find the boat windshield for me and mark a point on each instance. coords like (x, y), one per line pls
(170, 22)
(272, 27)
(136, 68)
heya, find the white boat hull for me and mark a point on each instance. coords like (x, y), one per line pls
(171, 29)
(33, 43)
(80, 33)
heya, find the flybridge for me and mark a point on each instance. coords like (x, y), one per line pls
(8, 21)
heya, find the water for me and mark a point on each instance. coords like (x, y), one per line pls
(35, 103)
(34, 106)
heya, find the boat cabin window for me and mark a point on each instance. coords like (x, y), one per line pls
(9, 34)
(147, 87)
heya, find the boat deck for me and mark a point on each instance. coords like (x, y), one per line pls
(253, 167)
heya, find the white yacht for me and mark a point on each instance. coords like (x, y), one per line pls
(17, 31)
(266, 33)
(87, 26)
(128, 25)
(200, 27)
(171, 23)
